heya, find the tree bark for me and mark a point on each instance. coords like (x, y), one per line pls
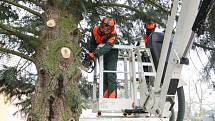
(57, 96)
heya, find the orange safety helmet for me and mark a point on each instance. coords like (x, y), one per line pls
(150, 25)
(107, 25)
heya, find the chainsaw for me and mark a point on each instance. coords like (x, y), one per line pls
(88, 65)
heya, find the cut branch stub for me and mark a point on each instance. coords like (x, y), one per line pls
(51, 23)
(65, 52)
(42, 71)
(72, 119)
(75, 32)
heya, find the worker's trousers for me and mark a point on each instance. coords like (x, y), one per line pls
(110, 83)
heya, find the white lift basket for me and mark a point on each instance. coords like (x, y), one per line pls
(134, 88)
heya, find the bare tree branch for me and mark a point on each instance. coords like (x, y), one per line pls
(12, 2)
(5, 50)
(119, 5)
(159, 7)
(196, 90)
(130, 8)
(3, 31)
(204, 47)
(11, 31)
(36, 3)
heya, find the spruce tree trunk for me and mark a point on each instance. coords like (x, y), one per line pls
(57, 96)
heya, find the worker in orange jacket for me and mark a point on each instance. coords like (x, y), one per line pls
(105, 34)
(150, 28)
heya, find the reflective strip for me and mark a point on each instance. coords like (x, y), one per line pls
(112, 39)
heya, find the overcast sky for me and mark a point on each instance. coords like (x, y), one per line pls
(7, 110)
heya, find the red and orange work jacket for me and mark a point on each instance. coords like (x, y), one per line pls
(108, 41)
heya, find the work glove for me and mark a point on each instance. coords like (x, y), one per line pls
(91, 55)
